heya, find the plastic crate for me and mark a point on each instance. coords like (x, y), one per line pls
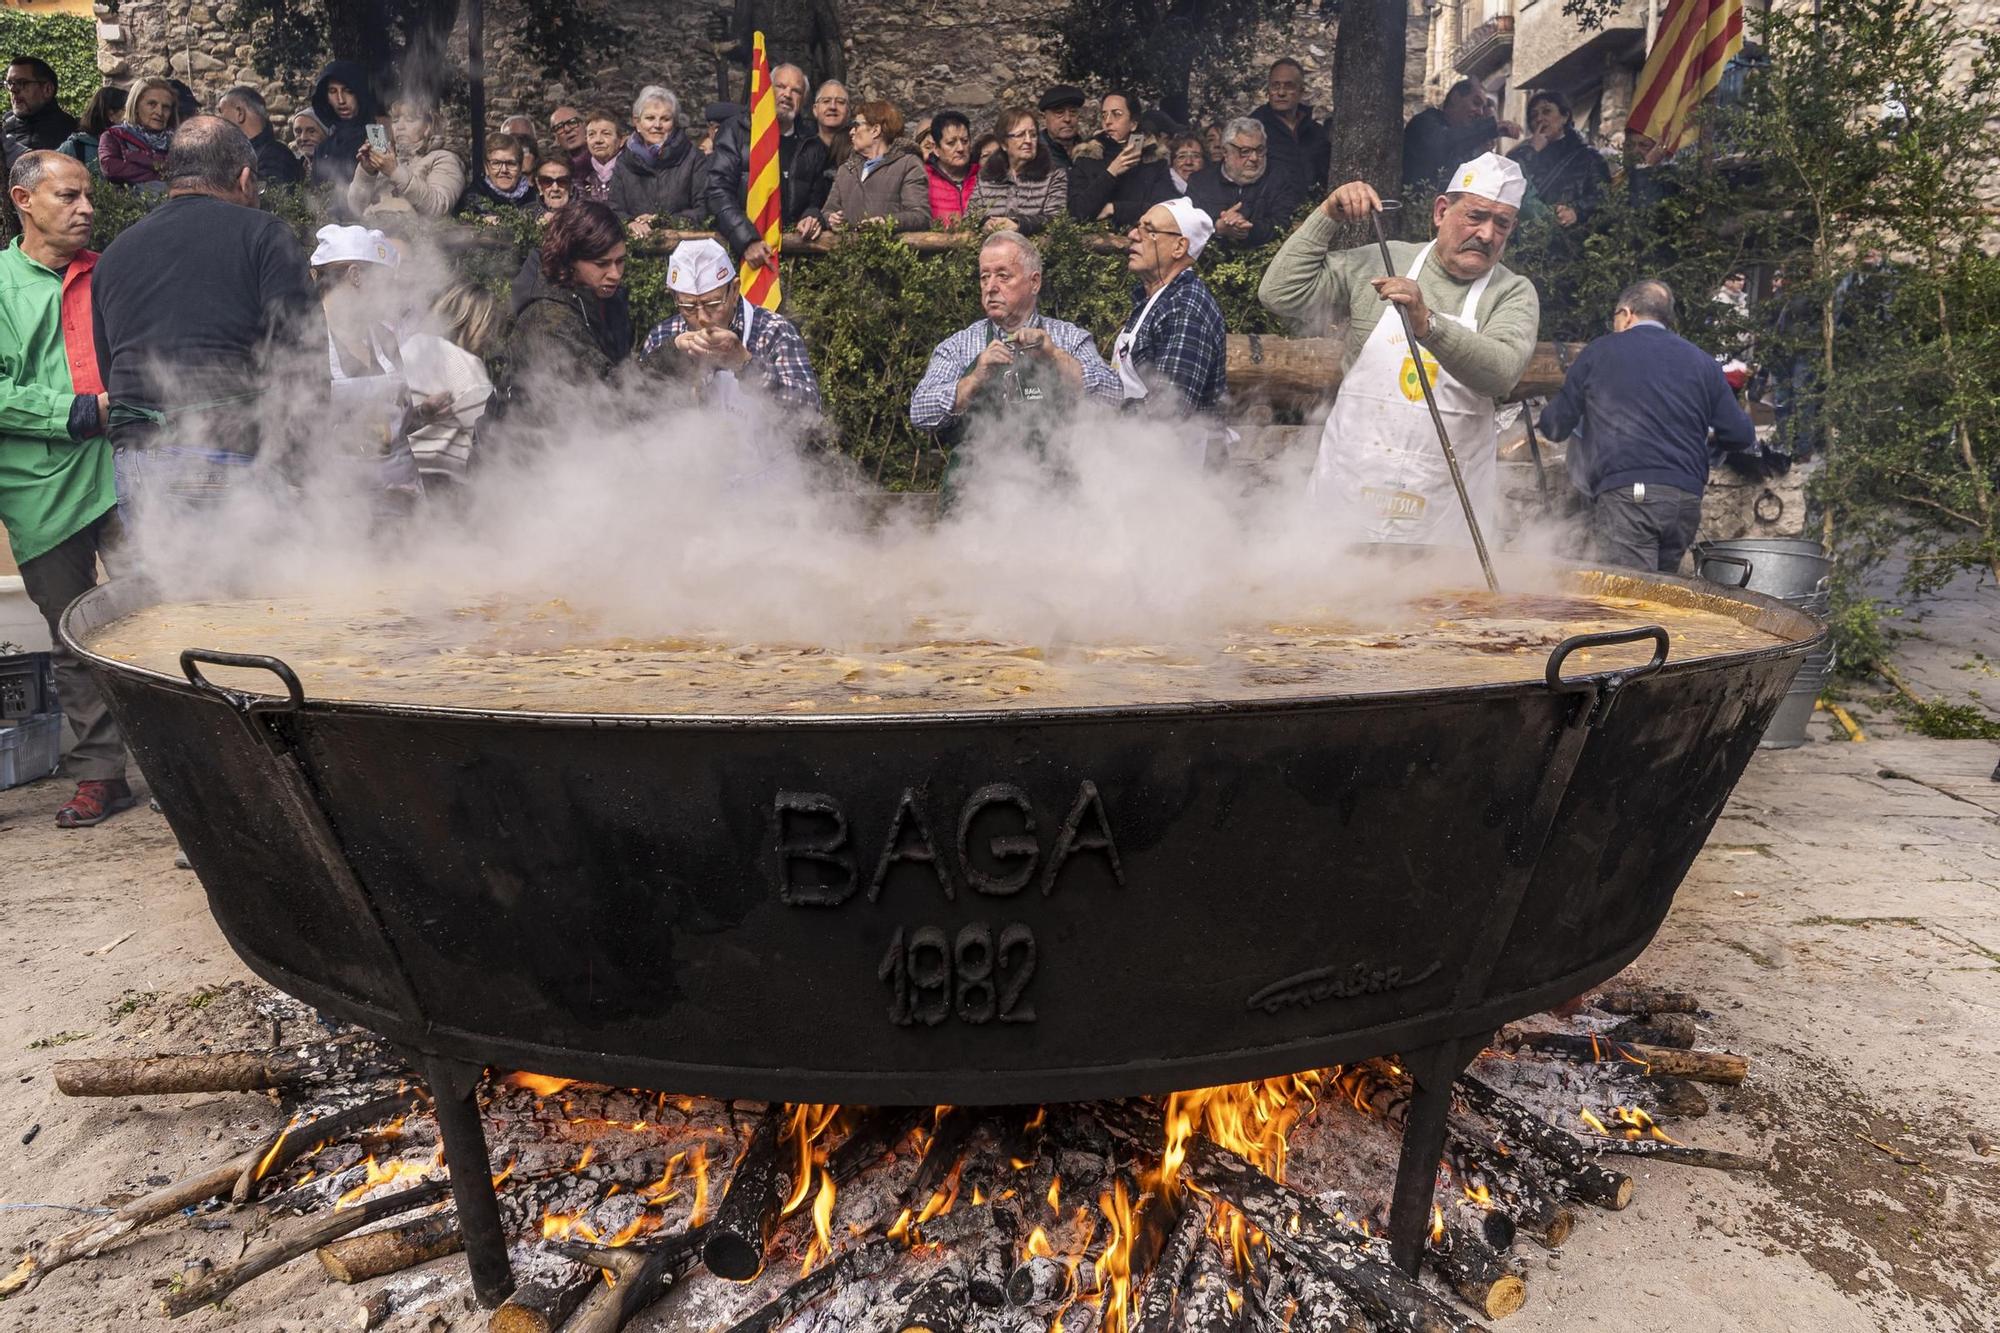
(27, 685)
(30, 748)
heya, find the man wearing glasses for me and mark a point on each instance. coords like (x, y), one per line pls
(566, 128)
(1172, 352)
(1247, 198)
(34, 120)
(726, 346)
(805, 171)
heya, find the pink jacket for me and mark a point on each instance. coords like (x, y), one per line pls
(127, 159)
(948, 201)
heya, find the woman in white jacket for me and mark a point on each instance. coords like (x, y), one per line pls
(417, 175)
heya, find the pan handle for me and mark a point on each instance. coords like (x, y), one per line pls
(1614, 680)
(191, 658)
(1708, 558)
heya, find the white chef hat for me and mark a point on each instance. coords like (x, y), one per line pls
(1195, 224)
(694, 267)
(353, 245)
(1490, 176)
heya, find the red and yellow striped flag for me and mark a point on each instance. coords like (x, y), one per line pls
(763, 207)
(1696, 39)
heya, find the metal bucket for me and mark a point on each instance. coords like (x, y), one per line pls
(1773, 566)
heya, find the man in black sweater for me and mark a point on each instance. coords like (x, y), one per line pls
(1248, 197)
(1647, 401)
(1298, 144)
(1439, 138)
(34, 120)
(201, 306)
(243, 107)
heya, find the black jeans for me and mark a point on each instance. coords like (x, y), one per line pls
(54, 579)
(1650, 530)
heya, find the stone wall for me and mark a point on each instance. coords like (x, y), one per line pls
(918, 56)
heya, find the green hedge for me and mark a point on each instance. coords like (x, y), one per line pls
(67, 41)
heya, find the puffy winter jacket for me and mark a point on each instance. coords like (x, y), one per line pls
(896, 190)
(670, 188)
(1092, 186)
(949, 198)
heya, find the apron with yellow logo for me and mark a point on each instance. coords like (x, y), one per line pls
(1379, 462)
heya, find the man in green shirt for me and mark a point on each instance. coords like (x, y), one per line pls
(57, 497)
(1380, 468)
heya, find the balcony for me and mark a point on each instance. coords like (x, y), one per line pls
(1486, 47)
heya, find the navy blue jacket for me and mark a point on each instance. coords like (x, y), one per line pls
(1647, 399)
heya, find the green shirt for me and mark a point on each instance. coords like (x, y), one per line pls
(51, 486)
(1309, 281)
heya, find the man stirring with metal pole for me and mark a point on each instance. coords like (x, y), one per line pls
(1398, 425)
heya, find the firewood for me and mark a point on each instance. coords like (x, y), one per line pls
(1476, 1273)
(863, 1261)
(879, 1130)
(1523, 1197)
(1323, 1308)
(1680, 1154)
(543, 1307)
(273, 1154)
(643, 1277)
(262, 1258)
(1677, 1030)
(373, 1311)
(1376, 1086)
(1584, 1178)
(391, 1250)
(978, 1221)
(1160, 1292)
(1213, 1303)
(226, 1071)
(1644, 1000)
(939, 1304)
(1701, 1066)
(954, 1126)
(986, 1278)
(1306, 1233)
(1040, 1281)
(1675, 1099)
(741, 1230)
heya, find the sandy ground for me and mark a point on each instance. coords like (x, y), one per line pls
(1841, 924)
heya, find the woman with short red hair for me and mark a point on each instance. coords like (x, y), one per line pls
(883, 178)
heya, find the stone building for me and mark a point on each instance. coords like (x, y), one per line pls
(921, 57)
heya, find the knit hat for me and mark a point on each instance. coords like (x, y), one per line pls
(353, 245)
(1195, 224)
(700, 266)
(1490, 176)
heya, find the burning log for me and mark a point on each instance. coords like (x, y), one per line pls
(1213, 1302)
(226, 1071)
(742, 1228)
(1677, 1030)
(391, 1250)
(879, 1129)
(986, 1277)
(1532, 1208)
(1681, 1155)
(863, 1261)
(1644, 1000)
(642, 1277)
(939, 1304)
(1676, 1099)
(1701, 1066)
(542, 1307)
(1161, 1290)
(954, 1125)
(273, 1154)
(1476, 1273)
(1311, 1238)
(1562, 1149)
(260, 1259)
(1040, 1281)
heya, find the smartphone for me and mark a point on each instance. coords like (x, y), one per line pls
(378, 138)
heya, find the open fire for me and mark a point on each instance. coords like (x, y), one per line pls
(1255, 1206)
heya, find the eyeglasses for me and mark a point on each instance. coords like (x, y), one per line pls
(567, 123)
(1028, 133)
(502, 164)
(713, 306)
(829, 101)
(553, 182)
(1241, 151)
(16, 85)
(1148, 229)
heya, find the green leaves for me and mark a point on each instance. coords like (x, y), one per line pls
(67, 41)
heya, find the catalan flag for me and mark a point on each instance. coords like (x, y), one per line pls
(1696, 39)
(763, 207)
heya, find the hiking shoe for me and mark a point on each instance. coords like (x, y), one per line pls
(95, 801)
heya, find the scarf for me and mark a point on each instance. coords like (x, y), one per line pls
(604, 169)
(157, 140)
(522, 188)
(646, 152)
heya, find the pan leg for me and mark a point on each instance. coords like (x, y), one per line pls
(455, 1089)
(1432, 1071)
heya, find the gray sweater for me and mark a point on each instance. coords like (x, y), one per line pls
(1308, 281)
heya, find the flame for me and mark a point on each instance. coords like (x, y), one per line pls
(1638, 1124)
(945, 1197)
(505, 1173)
(660, 1191)
(264, 1164)
(823, 1213)
(379, 1176)
(1235, 1297)
(1437, 1224)
(1480, 1195)
(978, 1195)
(900, 1228)
(1114, 1265)
(539, 1084)
(1252, 1120)
(589, 1151)
(1596, 1125)
(1038, 1244)
(1055, 1194)
(805, 1124)
(1038, 1119)
(699, 1165)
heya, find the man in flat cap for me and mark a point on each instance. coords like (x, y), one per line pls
(721, 342)
(1062, 110)
(1380, 466)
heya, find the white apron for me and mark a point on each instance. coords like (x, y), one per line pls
(1379, 460)
(1197, 451)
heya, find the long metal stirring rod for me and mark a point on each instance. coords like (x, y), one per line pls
(1430, 401)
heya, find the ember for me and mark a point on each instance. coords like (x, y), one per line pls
(1255, 1206)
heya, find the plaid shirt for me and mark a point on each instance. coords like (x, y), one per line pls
(931, 404)
(778, 360)
(1183, 343)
